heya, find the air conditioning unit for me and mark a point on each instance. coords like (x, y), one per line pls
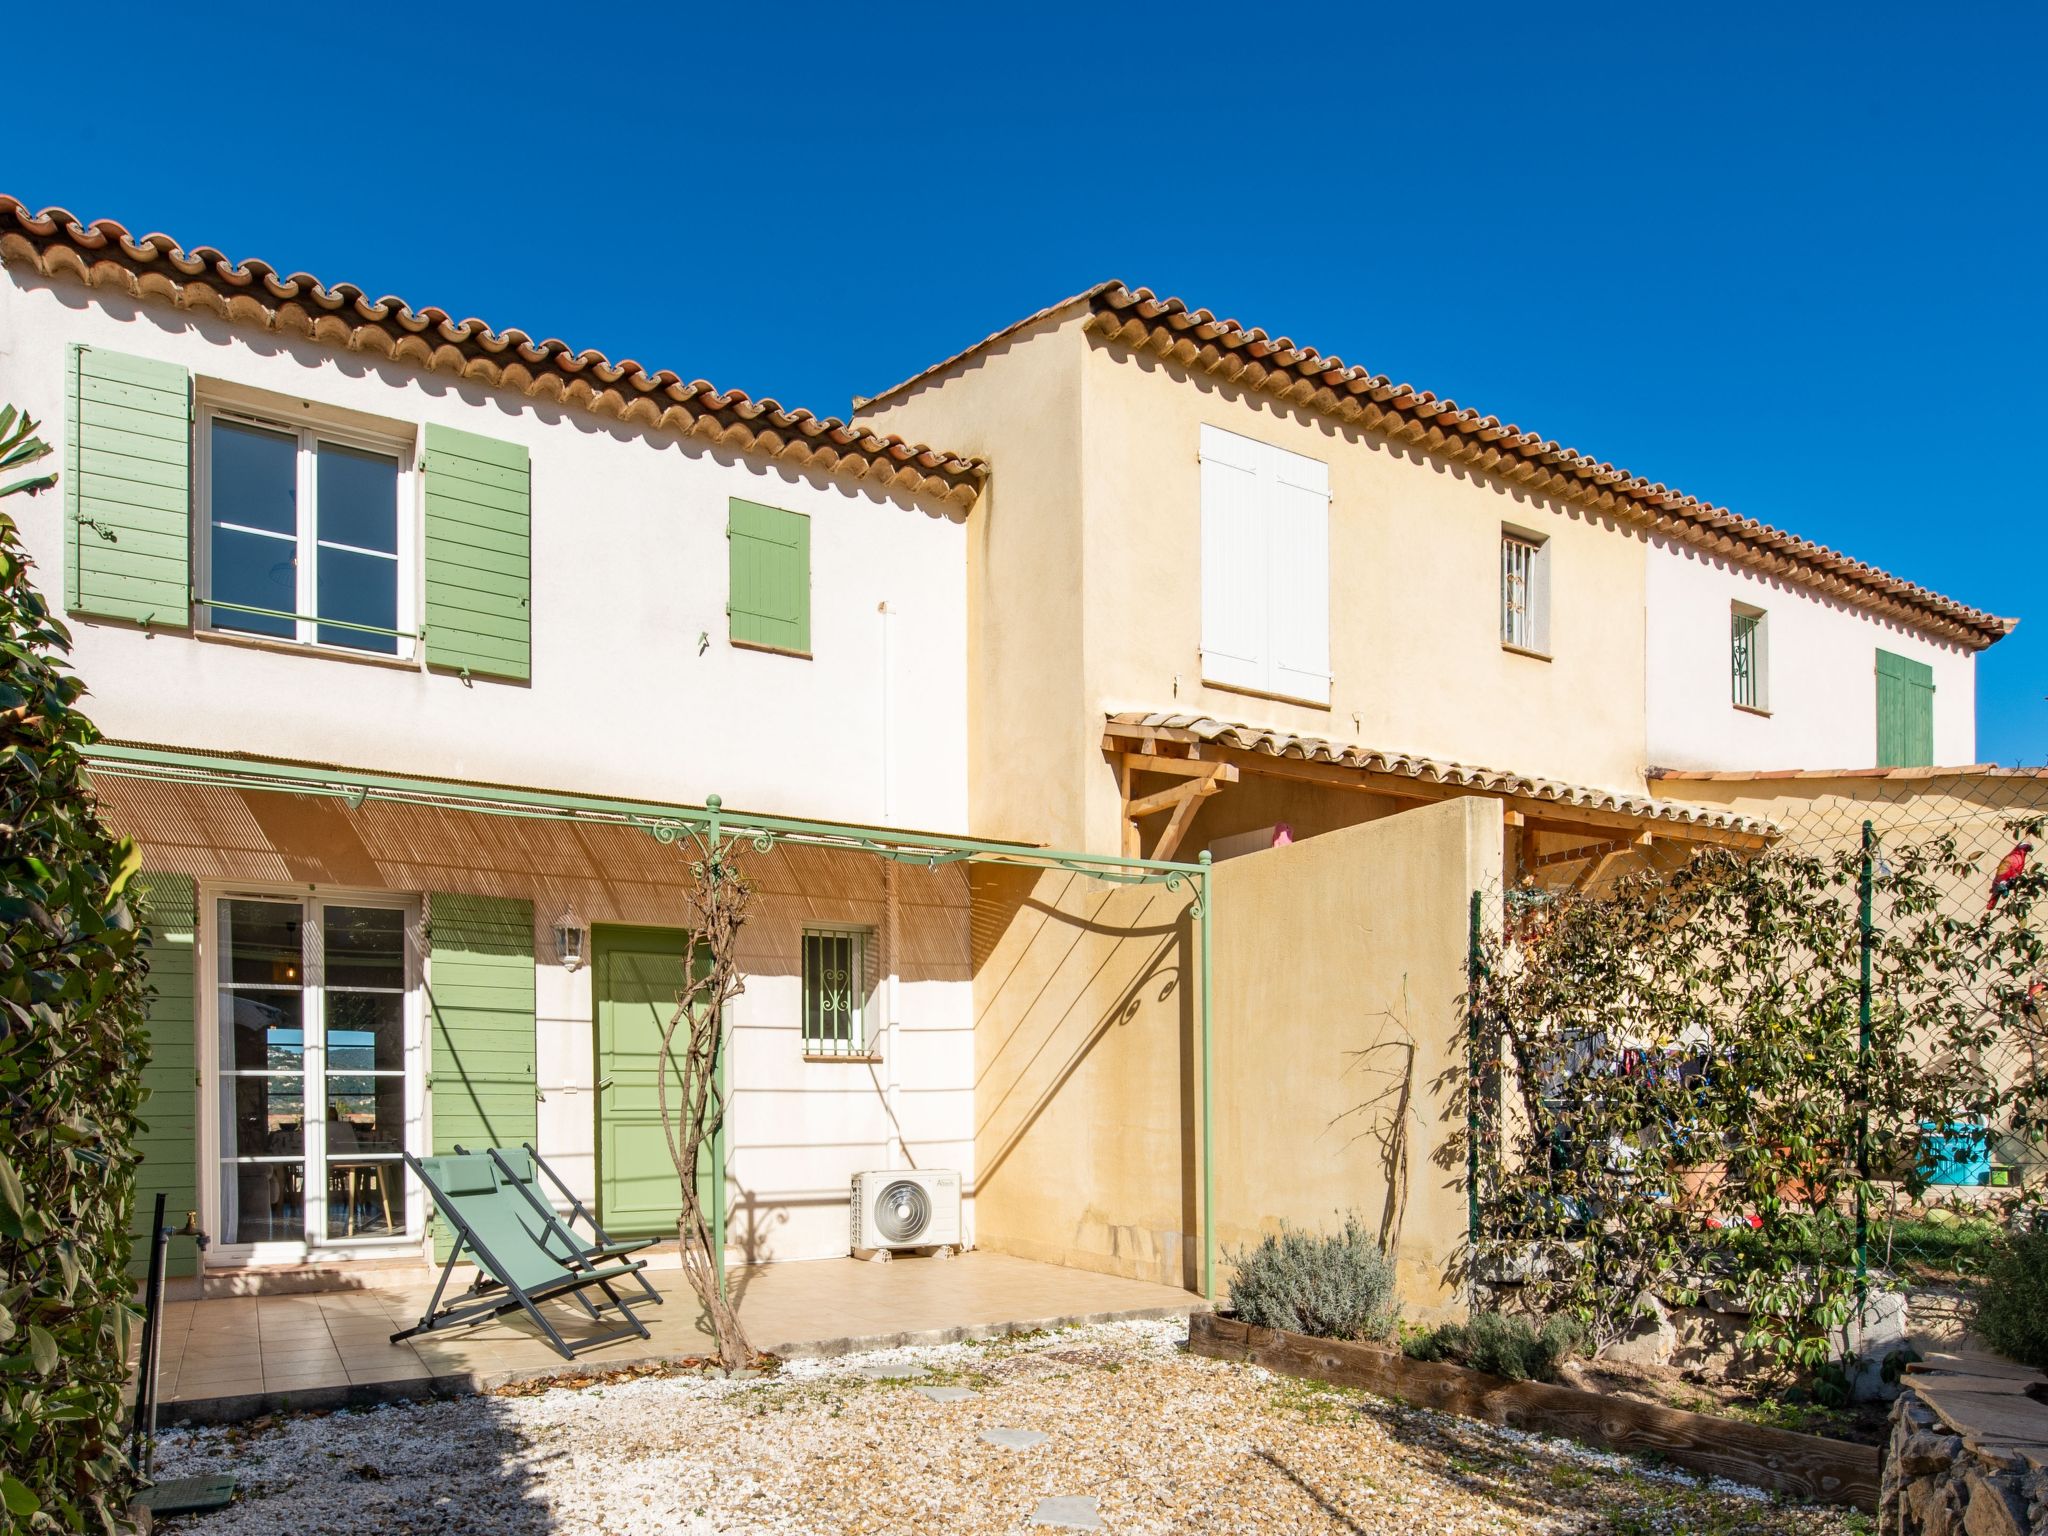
(909, 1209)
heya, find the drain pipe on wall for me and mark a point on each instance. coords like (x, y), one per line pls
(892, 1090)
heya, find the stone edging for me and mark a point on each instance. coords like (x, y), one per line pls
(1968, 1454)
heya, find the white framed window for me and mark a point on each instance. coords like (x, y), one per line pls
(1524, 591)
(307, 533)
(1749, 658)
(1265, 568)
(312, 1072)
(837, 972)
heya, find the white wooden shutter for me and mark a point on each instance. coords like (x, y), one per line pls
(1265, 568)
(1234, 561)
(1299, 577)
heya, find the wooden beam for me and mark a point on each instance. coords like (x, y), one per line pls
(1169, 840)
(1166, 799)
(1573, 855)
(1187, 767)
(1132, 845)
(1801, 1466)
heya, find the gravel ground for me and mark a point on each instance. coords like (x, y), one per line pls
(1164, 1441)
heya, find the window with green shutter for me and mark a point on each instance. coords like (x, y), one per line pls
(1905, 712)
(127, 483)
(482, 1020)
(770, 603)
(168, 1144)
(479, 555)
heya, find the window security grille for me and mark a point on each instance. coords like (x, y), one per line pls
(1746, 655)
(835, 992)
(1521, 592)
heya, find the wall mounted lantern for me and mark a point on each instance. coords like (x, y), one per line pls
(571, 933)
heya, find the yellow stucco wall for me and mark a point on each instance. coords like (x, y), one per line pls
(1085, 1073)
(1415, 653)
(1336, 1014)
(1019, 405)
(1086, 588)
(1340, 969)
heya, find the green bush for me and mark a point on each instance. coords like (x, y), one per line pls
(1334, 1286)
(72, 1045)
(1512, 1348)
(2012, 1298)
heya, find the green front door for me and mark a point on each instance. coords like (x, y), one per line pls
(636, 974)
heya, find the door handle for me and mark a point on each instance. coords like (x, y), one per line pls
(603, 1083)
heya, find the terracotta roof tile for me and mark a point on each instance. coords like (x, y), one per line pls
(104, 255)
(1432, 770)
(1201, 341)
(1972, 771)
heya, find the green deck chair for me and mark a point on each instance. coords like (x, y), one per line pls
(497, 1226)
(524, 1167)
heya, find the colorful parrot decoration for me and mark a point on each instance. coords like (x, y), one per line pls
(2008, 872)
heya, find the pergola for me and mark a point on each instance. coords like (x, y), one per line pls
(710, 827)
(1171, 764)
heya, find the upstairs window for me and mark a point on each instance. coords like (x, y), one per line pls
(308, 535)
(1524, 592)
(1265, 568)
(1748, 658)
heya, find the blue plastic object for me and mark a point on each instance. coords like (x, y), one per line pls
(1955, 1154)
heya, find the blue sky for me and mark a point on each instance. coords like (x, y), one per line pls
(1788, 259)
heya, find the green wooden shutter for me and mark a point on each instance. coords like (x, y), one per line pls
(771, 577)
(169, 1142)
(1905, 712)
(128, 488)
(480, 1053)
(479, 555)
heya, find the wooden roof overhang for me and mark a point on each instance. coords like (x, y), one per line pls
(1171, 769)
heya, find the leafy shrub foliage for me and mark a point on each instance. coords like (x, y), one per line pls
(1334, 1286)
(1512, 1348)
(2012, 1299)
(1675, 1092)
(72, 979)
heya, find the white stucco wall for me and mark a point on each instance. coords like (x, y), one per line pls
(799, 1130)
(629, 570)
(1822, 672)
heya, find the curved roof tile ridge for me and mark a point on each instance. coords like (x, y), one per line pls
(102, 253)
(1197, 338)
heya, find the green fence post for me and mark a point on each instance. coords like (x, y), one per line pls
(1206, 897)
(1474, 969)
(1867, 937)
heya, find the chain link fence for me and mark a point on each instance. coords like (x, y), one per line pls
(1787, 1071)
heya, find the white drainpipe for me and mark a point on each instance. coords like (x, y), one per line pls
(892, 1033)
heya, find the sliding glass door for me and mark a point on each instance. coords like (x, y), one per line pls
(315, 1067)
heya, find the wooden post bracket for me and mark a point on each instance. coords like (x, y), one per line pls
(1199, 780)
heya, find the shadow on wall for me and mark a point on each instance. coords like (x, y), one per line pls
(609, 874)
(1085, 1073)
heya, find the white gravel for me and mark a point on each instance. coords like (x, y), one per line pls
(1165, 1441)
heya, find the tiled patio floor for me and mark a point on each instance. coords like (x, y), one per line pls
(232, 1358)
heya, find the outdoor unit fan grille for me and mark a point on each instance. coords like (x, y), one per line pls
(902, 1211)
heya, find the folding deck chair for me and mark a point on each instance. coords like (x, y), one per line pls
(523, 1166)
(497, 1226)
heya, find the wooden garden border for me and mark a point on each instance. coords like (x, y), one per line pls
(1798, 1466)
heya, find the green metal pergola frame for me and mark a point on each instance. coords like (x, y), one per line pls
(711, 827)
